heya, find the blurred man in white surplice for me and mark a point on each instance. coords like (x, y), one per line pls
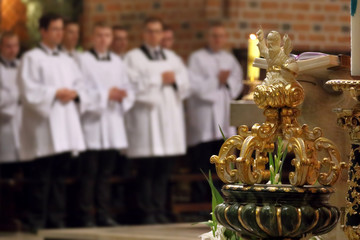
(215, 79)
(51, 91)
(10, 108)
(104, 128)
(155, 124)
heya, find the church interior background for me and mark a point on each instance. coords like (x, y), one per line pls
(313, 26)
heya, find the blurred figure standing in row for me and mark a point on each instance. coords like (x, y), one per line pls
(120, 41)
(51, 132)
(216, 79)
(168, 40)
(71, 39)
(10, 106)
(155, 125)
(104, 127)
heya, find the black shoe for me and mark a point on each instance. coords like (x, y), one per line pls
(56, 225)
(161, 218)
(107, 222)
(89, 224)
(84, 224)
(150, 219)
(30, 228)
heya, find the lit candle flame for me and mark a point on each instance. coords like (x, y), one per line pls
(253, 52)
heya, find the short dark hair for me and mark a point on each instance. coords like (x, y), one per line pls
(168, 28)
(7, 34)
(69, 22)
(100, 25)
(216, 23)
(119, 28)
(154, 20)
(46, 19)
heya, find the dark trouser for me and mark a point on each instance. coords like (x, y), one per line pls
(45, 190)
(10, 195)
(10, 170)
(200, 158)
(153, 178)
(122, 168)
(96, 167)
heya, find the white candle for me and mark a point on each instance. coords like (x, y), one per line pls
(253, 52)
(355, 38)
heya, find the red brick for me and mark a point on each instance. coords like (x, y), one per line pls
(301, 27)
(251, 15)
(113, 7)
(269, 15)
(285, 16)
(331, 28)
(317, 37)
(345, 39)
(305, 6)
(285, 5)
(302, 37)
(318, 7)
(332, 7)
(269, 5)
(213, 3)
(99, 18)
(270, 26)
(236, 35)
(301, 47)
(300, 17)
(345, 18)
(317, 17)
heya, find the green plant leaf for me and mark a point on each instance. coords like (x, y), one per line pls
(271, 163)
(222, 133)
(208, 223)
(282, 162)
(216, 200)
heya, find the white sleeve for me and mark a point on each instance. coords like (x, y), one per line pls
(34, 91)
(92, 98)
(182, 79)
(235, 80)
(202, 85)
(127, 102)
(7, 101)
(146, 85)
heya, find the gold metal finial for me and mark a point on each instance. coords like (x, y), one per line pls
(349, 119)
(316, 158)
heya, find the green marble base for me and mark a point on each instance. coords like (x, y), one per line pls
(277, 211)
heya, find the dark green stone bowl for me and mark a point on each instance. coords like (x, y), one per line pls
(277, 211)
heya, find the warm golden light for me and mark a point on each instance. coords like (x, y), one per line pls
(253, 52)
(253, 36)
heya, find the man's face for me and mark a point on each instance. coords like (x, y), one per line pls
(9, 47)
(120, 41)
(168, 39)
(71, 35)
(217, 38)
(54, 33)
(153, 34)
(102, 38)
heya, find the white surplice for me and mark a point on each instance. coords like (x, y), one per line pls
(10, 112)
(155, 125)
(74, 54)
(208, 107)
(105, 127)
(48, 126)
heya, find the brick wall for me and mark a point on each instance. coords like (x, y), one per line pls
(313, 25)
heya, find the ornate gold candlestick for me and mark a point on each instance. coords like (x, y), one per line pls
(317, 159)
(252, 85)
(349, 119)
